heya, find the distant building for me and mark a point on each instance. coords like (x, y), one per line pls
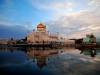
(98, 40)
(90, 38)
(77, 41)
(3, 41)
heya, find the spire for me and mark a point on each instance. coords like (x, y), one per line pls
(40, 22)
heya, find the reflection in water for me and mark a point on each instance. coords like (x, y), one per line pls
(90, 51)
(59, 61)
(43, 54)
(39, 55)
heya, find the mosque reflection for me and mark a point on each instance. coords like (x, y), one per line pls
(92, 52)
(42, 55)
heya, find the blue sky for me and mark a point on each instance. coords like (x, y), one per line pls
(71, 18)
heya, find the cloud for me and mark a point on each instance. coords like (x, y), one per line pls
(8, 30)
(70, 25)
(76, 25)
(27, 23)
(84, 59)
(95, 2)
(5, 23)
(54, 5)
(73, 25)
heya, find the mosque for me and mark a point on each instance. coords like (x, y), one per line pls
(43, 35)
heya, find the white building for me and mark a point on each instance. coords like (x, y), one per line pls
(42, 35)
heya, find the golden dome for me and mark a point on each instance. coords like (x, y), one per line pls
(41, 64)
(41, 26)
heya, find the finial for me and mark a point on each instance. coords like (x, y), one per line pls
(40, 22)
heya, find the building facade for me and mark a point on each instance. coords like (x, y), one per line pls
(41, 35)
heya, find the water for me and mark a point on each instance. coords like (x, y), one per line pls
(46, 61)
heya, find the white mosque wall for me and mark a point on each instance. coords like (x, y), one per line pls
(40, 35)
(67, 41)
(30, 37)
(53, 39)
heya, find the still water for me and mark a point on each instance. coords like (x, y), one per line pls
(47, 61)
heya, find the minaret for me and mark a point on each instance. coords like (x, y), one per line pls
(48, 32)
(58, 35)
(27, 36)
(33, 30)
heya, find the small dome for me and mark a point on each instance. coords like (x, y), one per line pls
(41, 26)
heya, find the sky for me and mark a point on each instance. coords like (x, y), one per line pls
(71, 18)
